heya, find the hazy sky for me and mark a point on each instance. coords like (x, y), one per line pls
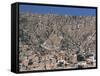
(57, 10)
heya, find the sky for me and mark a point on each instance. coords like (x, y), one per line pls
(57, 10)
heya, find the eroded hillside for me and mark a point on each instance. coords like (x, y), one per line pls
(50, 41)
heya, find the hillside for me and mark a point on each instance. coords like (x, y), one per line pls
(50, 41)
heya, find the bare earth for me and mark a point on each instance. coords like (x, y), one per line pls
(50, 41)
